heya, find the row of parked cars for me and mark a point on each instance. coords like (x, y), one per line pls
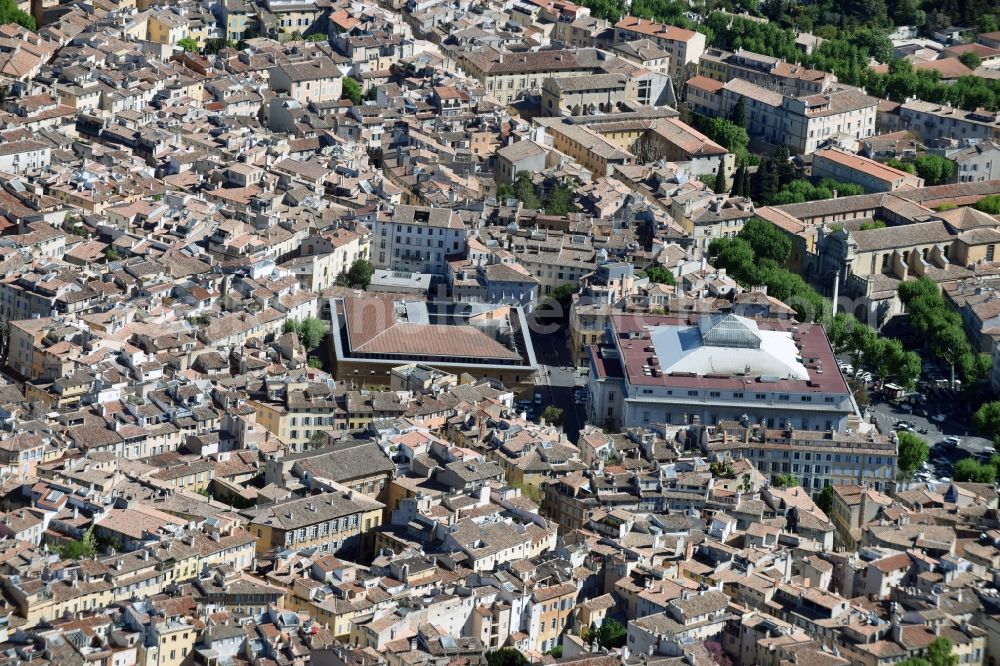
(862, 375)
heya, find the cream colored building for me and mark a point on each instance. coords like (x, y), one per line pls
(684, 47)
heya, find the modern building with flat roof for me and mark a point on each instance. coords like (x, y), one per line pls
(371, 336)
(656, 370)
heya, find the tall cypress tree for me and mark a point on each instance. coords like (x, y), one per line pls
(739, 113)
(720, 180)
(784, 169)
(738, 181)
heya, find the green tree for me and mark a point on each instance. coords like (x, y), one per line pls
(10, 13)
(351, 90)
(873, 224)
(970, 60)
(784, 481)
(524, 191)
(315, 362)
(739, 112)
(913, 661)
(950, 345)
(941, 653)
(934, 169)
(563, 294)
(553, 415)
(505, 657)
(612, 634)
(188, 44)
(360, 273)
(987, 420)
(840, 331)
(975, 368)
(719, 186)
(901, 165)
(912, 451)
(213, 46)
(317, 37)
(740, 181)
(83, 549)
(825, 500)
(989, 204)
(310, 331)
(765, 183)
(559, 200)
(660, 275)
(970, 469)
(608, 10)
(726, 133)
(766, 240)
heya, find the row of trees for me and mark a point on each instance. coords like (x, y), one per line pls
(884, 356)
(970, 469)
(801, 190)
(934, 169)
(847, 51)
(756, 257)
(941, 328)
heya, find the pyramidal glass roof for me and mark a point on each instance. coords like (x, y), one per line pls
(729, 331)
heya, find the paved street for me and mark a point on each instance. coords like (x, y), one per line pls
(557, 379)
(942, 456)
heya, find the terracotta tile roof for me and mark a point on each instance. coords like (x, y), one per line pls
(374, 329)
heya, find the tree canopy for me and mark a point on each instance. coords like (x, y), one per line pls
(359, 275)
(913, 452)
(737, 256)
(940, 326)
(970, 469)
(934, 169)
(784, 481)
(660, 275)
(188, 44)
(987, 420)
(310, 331)
(351, 90)
(10, 13)
(505, 657)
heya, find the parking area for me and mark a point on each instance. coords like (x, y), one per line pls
(940, 415)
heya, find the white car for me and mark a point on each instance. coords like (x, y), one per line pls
(954, 441)
(939, 418)
(865, 377)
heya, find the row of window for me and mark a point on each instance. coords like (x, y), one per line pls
(739, 395)
(321, 529)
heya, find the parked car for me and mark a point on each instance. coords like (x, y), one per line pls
(953, 441)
